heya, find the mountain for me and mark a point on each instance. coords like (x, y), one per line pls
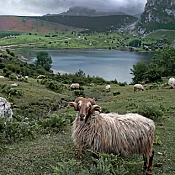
(84, 11)
(158, 14)
(92, 23)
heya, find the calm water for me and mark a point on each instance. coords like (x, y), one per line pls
(108, 64)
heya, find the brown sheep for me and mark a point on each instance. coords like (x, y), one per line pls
(112, 133)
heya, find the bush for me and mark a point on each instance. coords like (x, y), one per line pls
(54, 123)
(11, 131)
(79, 93)
(116, 93)
(154, 112)
(107, 164)
(2, 65)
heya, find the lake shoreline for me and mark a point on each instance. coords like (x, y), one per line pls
(108, 64)
(124, 49)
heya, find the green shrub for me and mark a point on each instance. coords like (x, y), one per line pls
(12, 76)
(11, 131)
(2, 65)
(116, 93)
(107, 164)
(154, 112)
(79, 93)
(54, 123)
(122, 83)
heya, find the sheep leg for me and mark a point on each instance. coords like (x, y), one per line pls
(145, 165)
(95, 156)
(150, 167)
(79, 153)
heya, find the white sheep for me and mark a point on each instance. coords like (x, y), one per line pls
(74, 86)
(171, 82)
(1, 76)
(5, 108)
(112, 133)
(108, 87)
(138, 87)
(14, 85)
(41, 76)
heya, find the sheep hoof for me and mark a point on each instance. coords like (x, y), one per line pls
(148, 172)
(144, 168)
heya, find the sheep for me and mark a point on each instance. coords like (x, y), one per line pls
(171, 83)
(1, 76)
(138, 87)
(14, 85)
(41, 76)
(74, 86)
(112, 133)
(108, 87)
(5, 108)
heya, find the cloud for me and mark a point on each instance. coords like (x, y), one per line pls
(38, 7)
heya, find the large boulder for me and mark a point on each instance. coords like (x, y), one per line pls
(5, 108)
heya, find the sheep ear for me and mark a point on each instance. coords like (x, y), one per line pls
(73, 104)
(95, 108)
(92, 101)
(78, 99)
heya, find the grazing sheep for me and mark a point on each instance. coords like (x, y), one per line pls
(14, 85)
(41, 76)
(108, 87)
(171, 83)
(5, 108)
(1, 76)
(74, 86)
(138, 87)
(112, 133)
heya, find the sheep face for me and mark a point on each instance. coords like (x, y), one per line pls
(85, 106)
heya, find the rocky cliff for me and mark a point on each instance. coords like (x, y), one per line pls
(158, 14)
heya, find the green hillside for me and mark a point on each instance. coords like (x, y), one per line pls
(92, 23)
(38, 139)
(20, 24)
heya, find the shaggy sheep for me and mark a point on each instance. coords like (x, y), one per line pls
(171, 83)
(138, 87)
(112, 133)
(74, 86)
(5, 108)
(1, 76)
(108, 87)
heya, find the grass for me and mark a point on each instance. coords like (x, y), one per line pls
(70, 40)
(43, 154)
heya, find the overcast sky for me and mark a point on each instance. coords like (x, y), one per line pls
(42, 7)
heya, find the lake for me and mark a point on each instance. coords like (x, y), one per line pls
(107, 64)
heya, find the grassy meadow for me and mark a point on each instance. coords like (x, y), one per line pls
(52, 151)
(75, 40)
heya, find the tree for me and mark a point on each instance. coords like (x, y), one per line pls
(165, 59)
(154, 73)
(135, 43)
(138, 72)
(44, 60)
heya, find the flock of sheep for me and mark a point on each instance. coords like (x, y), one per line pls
(108, 133)
(113, 133)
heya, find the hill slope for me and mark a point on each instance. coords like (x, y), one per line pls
(93, 23)
(26, 24)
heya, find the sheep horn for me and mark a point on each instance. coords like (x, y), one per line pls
(73, 104)
(95, 108)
